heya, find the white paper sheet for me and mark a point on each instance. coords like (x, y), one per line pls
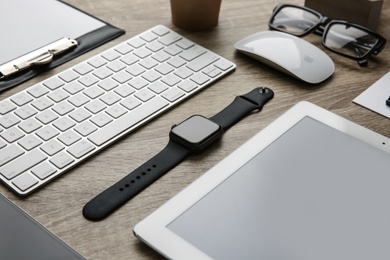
(28, 25)
(374, 98)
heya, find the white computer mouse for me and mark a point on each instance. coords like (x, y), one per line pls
(288, 54)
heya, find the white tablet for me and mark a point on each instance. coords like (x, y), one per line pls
(311, 185)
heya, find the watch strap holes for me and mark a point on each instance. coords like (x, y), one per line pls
(138, 177)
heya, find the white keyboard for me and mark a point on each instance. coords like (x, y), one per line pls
(55, 124)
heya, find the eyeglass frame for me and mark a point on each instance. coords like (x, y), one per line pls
(322, 28)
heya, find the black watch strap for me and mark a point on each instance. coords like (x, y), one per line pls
(118, 194)
(242, 106)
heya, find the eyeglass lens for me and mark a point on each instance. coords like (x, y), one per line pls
(294, 20)
(349, 40)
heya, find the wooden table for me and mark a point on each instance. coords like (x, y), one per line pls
(58, 205)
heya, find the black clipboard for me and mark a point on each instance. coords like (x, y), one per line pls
(85, 43)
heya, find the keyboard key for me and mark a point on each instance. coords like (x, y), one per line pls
(12, 134)
(164, 69)
(25, 181)
(171, 80)
(142, 53)
(193, 52)
(81, 148)
(110, 98)
(136, 42)
(29, 142)
(151, 76)
(68, 76)
(185, 44)
(116, 111)
(116, 66)
(122, 77)
(74, 87)
(53, 83)
(63, 108)
(61, 160)
(200, 79)
(52, 147)
(155, 46)
(135, 70)
(88, 80)
(161, 56)
(202, 61)
(78, 100)
(148, 36)
(129, 59)
(47, 132)
(212, 71)
(6, 106)
(83, 68)
(173, 94)
(69, 137)
(97, 62)
(9, 153)
(8, 120)
(2, 143)
(158, 87)
(101, 120)
(187, 86)
(124, 90)
(46, 116)
(21, 99)
(183, 72)
(22, 164)
(26, 112)
(64, 123)
(128, 120)
(160, 30)
(95, 106)
(80, 115)
(58, 95)
(123, 48)
(223, 64)
(85, 128)
(111, 55)
(108, 84)
(138, 83)
(42, 103)
(38, 91)
(102, 73)
(94, 92)
(30, 125)
(169, 38)
(43, 170)
(144, 95)
(130, 103)
(177, 62)
(148, 63)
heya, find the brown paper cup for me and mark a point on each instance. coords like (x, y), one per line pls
(195, 14)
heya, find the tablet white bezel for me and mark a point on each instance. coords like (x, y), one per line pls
(153, 229)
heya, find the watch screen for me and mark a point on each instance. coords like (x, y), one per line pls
(196, 129)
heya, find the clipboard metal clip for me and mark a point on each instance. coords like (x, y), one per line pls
(40, 56)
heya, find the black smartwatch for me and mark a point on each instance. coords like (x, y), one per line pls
(193, 135)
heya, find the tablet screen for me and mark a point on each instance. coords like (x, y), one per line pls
(315, 193)
(21, 237)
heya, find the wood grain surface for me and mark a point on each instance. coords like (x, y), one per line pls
(58, 205)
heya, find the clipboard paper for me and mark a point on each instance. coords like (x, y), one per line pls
(86, 43)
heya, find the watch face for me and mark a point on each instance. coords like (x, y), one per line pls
(196, 130)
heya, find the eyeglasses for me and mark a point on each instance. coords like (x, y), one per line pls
(347, 39)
